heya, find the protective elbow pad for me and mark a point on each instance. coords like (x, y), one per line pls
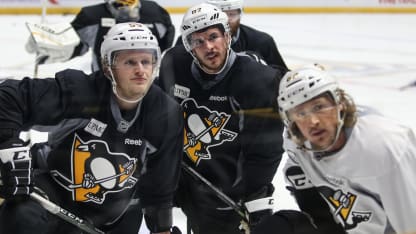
(158, 219)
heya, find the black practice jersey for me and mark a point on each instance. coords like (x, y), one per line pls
(232, 135)
(97, 159)
(93, 22)
(250, 39)
(257, 42)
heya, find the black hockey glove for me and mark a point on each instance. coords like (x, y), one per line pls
(258, 206)
(16, 172)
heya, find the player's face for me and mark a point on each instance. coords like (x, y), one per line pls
(210, 48)
(133, 71)
(233, 20)
(317, 120)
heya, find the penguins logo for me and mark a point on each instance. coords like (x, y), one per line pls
(96, 171)
(342, 204)
(203, 129)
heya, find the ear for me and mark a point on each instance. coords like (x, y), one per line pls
(106, 71)
(105, 68)
(342, 107)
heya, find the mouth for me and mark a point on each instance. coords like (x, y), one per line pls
(139, 80)
(211, 55)
(317, 132)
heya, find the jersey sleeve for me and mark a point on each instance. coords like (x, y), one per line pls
(261, 133)
(167, 40)
(397, 185)
(44, 101)
(271, 53)
(86, 28)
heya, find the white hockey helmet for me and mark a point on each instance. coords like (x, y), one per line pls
(124, 10)
(227, 5)
(199, 17)
(303, 84)
(128, 36)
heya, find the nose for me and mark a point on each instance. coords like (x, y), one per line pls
(138, 68)
(208, 44)
(313, 118)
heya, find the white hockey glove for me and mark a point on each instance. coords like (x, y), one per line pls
(52, 42)
(258, 206)
(16, 172)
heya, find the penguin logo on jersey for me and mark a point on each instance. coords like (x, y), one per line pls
(342, 205)
(95, 171)
(203, 129)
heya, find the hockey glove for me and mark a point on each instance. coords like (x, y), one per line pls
(16, 172)
(258, 206)
(52, 42)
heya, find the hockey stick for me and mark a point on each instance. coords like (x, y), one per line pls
(200, 135)
(40, 59)
(34, 137)
(72, 186)
(237, 208)
(65, 215)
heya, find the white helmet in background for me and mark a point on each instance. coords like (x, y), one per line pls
(303, 84)
(227, 5)
(124, 10)
(128, 36)
(199, 17)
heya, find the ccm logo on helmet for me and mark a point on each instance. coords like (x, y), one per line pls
(295, 92)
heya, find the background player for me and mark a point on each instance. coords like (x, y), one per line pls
(94, 21)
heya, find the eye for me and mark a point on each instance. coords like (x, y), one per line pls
(318, 107)
(197, 42)
(213, 37)
(301, 114)
(131, 62)
(146, 62)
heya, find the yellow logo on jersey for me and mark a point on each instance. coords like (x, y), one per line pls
(204, 129)
(96, 171)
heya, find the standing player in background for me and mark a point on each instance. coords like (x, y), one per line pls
(245, 38)
(114, 143)
(232, 135)
(93, 22)
(350, 170)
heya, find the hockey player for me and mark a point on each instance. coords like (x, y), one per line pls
(112, 138)
(245, 38)
(94, 21)
(350, 170)
(232, 136)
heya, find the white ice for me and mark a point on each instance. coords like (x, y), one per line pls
(373, 56)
